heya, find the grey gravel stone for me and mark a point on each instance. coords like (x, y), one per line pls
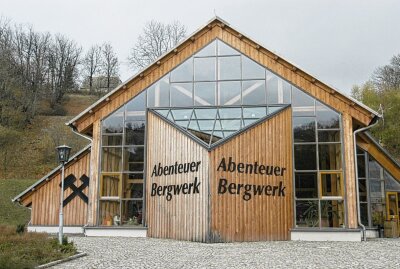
(161, 253)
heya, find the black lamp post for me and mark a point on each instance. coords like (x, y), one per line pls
(63, 156)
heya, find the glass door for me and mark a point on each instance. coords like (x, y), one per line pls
(392, 206)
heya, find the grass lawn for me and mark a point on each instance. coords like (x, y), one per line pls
(12, 213)
(27, 250)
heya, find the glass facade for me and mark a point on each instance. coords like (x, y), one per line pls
(373, 181)
(214, 94)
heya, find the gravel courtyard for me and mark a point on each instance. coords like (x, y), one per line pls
(157, 253)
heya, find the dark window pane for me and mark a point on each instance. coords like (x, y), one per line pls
(224, 49)
(181, 94)
(134, 132)
(304, 129)
(132, 213)
(326, 117)
(303, 104)
(229, 68)
(330, 157)
(229, 93)
(332, 214)
(251, 69)
(331, 185)
(361, 166)
(253, 92)
(305, 157)
(158, 93)
(112, 140)
(364, 213)
(111, 160)
(204, 69)
(184, 72)
(306, 185)
(204, 93)
(132, 186)
(114, 122)
(209, 50)
(307, 214)
(362, 187)
(328, 136)
(134, 159)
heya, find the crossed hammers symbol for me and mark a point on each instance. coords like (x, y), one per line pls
(69, 183)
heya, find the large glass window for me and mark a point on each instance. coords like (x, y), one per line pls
(213, 94)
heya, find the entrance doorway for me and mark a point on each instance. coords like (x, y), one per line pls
(392, 207)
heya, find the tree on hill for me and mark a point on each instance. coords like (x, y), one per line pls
(109, 64)
(382, 93)
(91, 64)
(156, 39)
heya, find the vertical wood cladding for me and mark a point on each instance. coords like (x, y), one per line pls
(46, 198)
(261, 217)
(222, 213)
(183, 216)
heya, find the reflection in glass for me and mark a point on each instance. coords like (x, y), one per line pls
(112, 140)
(108, 211)
(204, 69)
(326, 117)
(134, 132)
(390, 183)
(181, 94)
(138, 103)
(251, 69)
(209, 50)
(305, 157)
(304, 129)
(378, 214)
(229, 68)
(229, 93)
(184, 72)
(302, 103)
(254, 112)
(361, 166)
(253, 92)
(307, 213)
(328, 136)
(114, 122)
(158, 93)
(204, 93)
(110, 186)
(362, 188)
(224, 49)
(306, 185)
(278, 90)
(111, 160)
(330, 156)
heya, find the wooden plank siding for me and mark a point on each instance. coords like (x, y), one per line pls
(261, 55)
(45, 198)
(184, 217)
(262, 217)
(350, 176)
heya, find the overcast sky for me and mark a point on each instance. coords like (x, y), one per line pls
(340, 42)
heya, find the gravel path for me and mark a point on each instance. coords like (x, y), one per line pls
(159, 253)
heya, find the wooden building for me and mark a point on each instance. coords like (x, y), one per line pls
(222, 140)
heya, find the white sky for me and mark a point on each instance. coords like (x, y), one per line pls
(340, 42)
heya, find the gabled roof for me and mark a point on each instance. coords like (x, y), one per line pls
(49, 175)
(218, 28)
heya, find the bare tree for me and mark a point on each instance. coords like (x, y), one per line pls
(91, 64)
(156, 39)
(110, 65)
(388, 76)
